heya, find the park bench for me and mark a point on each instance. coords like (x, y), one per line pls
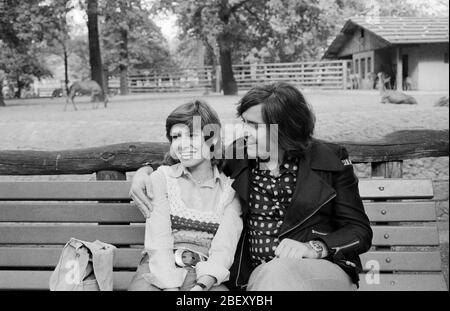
(38, 217)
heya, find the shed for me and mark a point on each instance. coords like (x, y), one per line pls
(413, 51)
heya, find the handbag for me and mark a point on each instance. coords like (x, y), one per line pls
(84, 266)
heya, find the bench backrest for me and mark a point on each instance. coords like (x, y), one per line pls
(38, 218)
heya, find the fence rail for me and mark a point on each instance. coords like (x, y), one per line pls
(323, 75)
(126, 157)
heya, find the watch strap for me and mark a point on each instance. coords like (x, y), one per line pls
(200, 284)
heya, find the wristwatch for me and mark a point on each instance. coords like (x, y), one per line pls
(317, 247)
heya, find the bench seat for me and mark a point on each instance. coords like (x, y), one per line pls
(38, 218)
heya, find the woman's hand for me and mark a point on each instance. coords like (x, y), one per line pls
(289, 248)
(141, 190)
(196, 288)
(207, 280)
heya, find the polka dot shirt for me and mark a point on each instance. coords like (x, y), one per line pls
(270, 196)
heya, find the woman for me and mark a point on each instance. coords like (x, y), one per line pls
(191, 237)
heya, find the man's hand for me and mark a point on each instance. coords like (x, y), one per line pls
(141, 190)
(293, 249)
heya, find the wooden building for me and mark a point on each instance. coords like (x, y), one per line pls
(412, 51)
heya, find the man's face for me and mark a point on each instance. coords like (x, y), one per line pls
(255, 129)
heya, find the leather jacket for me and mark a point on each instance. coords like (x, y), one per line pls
(326, 206)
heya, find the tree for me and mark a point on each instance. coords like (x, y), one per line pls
(53, 21)
(131, 39)
(2, 78)
(20, 41)
(272, 30)
(215, 23)
(59, 32)
(95, 58)
(293, 30)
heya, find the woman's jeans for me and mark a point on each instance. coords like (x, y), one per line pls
(285, 274)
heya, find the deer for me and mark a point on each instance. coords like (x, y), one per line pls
(442, 102)
(393, 97)
(86, 87)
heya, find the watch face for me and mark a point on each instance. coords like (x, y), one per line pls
(316, 246)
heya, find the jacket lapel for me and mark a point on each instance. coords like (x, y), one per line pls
(241, 176)
(311, 191)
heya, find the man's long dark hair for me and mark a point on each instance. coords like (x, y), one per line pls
(284, 105)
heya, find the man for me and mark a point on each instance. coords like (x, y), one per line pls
(304, 221)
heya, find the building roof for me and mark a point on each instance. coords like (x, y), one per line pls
(395, 30)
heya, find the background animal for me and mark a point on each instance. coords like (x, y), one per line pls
(354, 78)
(442, 102)
(86, 87)
(393, 97)
(407, 84)
(372, 77)
(384, 80)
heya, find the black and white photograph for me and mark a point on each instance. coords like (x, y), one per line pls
(247, 147)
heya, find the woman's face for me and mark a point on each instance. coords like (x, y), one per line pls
(189, 148)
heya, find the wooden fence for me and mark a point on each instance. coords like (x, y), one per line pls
(322, 75)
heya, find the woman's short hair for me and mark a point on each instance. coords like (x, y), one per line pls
(185, 114)
(284, 105)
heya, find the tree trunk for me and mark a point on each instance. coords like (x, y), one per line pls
(95, 58)
(2, 101)
(224, 40)
(229, 84)
(123, 51)
(210, 59)
(19, 87)
(66, 70)
(106, 79)
(123, 67)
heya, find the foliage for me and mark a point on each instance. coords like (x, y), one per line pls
(130, 38)
(278, 30)
(21, 37)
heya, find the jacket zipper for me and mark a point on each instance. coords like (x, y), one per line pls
(317, 232)
(315, 211)
(240, 260)
(337, 249)
(348, 263)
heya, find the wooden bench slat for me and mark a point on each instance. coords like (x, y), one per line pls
(39, 280)
(70, 212)
(390, 188)
(405, 282)
(405, 236)
(47, 257)
(128, 258)
(400, 211)
(60, 234)
(402, 261)
(118, 190)
(123, 234)
(67, 190)
(126, 212)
